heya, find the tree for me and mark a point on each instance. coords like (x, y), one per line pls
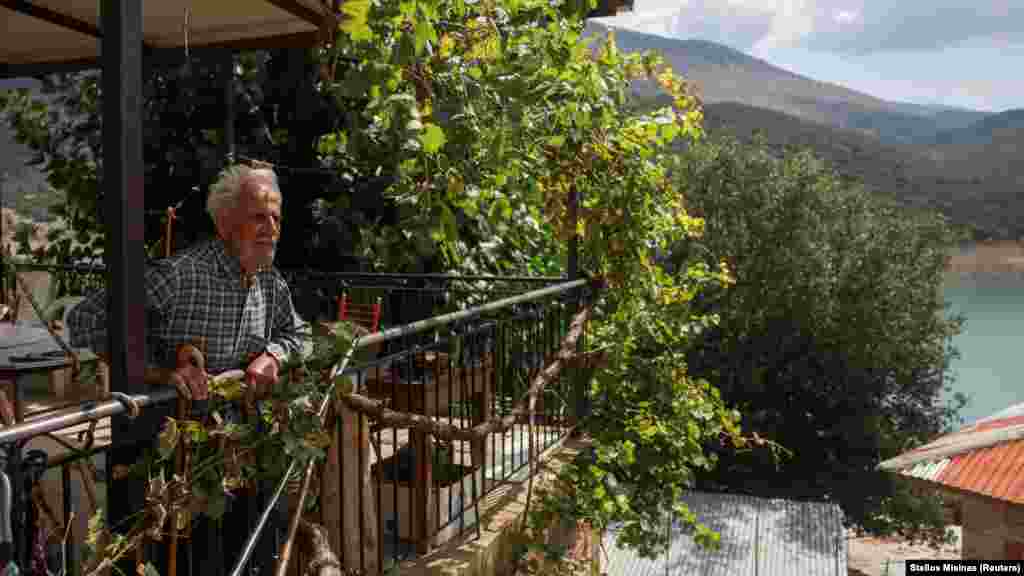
(834, 340)
(492, 117)
(483, 128)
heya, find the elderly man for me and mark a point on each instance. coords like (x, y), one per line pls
(225, 294)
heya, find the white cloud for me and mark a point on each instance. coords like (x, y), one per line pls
(845, 16)
(953, 51)
(842, 26)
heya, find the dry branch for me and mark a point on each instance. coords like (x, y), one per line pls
(159, 508)
(446, 431)
(323, 561)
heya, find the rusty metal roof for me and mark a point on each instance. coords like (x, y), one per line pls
(760, 537)
(995, 470)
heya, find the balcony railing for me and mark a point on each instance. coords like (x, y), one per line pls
(432, 424)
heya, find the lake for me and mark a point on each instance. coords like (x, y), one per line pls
(985, 283)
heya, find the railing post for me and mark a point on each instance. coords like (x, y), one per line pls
(423, 488)
(124, 191)
(331, 488)
(357, 496)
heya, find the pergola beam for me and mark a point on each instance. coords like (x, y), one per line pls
(163, 56)
(299, 10)
(53, 17)
(153, 54)
(44, 68)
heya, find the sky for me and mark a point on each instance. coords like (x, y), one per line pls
(963, 53)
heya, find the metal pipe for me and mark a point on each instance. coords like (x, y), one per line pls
(100, 269)
(228, 78)
(77, 268)
(400, 276)
(250, 544)
(293, 526)
(90, 411)
(423, 325)
(85, 412)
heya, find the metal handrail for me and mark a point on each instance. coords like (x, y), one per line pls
(383, 336)
(452, 317)
(101, 269)
(92, 411)
(81, 414)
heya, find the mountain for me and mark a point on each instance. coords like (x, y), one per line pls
(990, 152)
(991, 129)
(974, 189)
(724, 74)
(964, 163)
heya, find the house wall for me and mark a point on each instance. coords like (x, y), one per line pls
(990, 526)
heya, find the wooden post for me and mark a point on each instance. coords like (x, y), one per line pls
(355, 480)
(482, 377)
(423, 490)
(330, 488)
(181, 412)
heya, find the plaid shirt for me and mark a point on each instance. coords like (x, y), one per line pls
(201, 294)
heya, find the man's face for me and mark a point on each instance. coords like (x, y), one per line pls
(253, 228)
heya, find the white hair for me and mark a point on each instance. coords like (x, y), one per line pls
(224, 193)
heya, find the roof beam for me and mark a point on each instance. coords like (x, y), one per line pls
(44, 68)
(299, 10)
(292, 40)
(53, 17)
(45, 14)
(162, 56)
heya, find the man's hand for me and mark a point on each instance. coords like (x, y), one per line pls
(190, 367)
(196, 379)
(190, 385)
(262, 375)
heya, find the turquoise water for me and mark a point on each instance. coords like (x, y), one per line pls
(989, 370)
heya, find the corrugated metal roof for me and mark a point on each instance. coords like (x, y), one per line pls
(760, 537)
(995, 470)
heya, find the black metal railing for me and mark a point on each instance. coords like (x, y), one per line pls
(459, 351)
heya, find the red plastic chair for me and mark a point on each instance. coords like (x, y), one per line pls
(366, 315)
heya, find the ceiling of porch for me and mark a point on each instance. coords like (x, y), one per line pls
(39, 32)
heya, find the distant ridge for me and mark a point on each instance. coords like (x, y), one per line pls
(724, 74)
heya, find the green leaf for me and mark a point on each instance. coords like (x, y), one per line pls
(356, 19)
(424, 34)
(168, 439)
(327, 145)
(432, 138)
(216, 504)
(448, 223)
